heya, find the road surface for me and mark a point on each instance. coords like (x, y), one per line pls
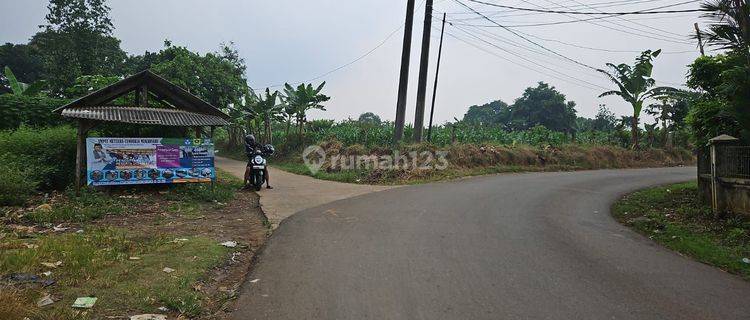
(520, 246)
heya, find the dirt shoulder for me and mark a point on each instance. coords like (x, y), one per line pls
(158, 251)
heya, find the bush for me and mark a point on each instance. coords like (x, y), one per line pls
(17, 110)
(17, 185)
(47, 155)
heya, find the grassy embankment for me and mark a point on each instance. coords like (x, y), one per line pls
(471, 160)
(114, 248)
(675, 217)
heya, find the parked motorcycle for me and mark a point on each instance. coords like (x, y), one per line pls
(258, 166)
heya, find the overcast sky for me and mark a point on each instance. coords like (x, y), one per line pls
(293, 40)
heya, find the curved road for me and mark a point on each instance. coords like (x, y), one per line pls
(521, 246)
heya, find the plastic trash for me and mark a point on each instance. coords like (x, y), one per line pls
(168, 270)
(84, 302)
(45, 301)
(52, 265)
(745, 260)
(149, 316)
(254, 280)
(229, 244)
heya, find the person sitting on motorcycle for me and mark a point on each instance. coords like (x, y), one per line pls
(250, 145)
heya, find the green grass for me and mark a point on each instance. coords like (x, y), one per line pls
(674, 216)
(97, 263)
(188, 199)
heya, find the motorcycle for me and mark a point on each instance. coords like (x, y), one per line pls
(258, 166)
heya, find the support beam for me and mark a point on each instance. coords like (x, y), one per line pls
(142, 94)
(403, 83)
(423, 67)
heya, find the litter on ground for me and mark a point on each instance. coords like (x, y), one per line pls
(167, 270)
(84, 302)
(149, 316)
(229, 244)
(45, 301)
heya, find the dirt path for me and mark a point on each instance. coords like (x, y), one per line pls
(293, 193)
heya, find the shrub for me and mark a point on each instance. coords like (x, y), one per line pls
(18, 110)
(46, 155)
(17, 185)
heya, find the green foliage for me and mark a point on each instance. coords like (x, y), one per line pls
(84, 85)
(724, 82)
(47, 154)
(90, 205)
(635, 85)
(36, 111)
(493, 113)
(23, 59)
(543, 105)
(217, 78)
(264, 109)
(369, 118)
(675, 217)
(15, 86)
(709, 118)
(15, 186)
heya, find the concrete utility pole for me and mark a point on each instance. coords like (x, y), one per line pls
(700, 38)
(423, 66)
(437, 73)
(403, 82)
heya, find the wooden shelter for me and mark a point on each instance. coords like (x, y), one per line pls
(178, 107)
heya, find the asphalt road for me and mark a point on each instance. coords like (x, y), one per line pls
(521, 246)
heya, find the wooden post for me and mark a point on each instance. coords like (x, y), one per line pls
(142, 95)
(198, 132)
(83, 128)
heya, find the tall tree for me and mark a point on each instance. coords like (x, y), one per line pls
(77, 40)
(543, 105)
(605, 120)
(635, 86)
(730, 29)
(494, 113)
(369, 118)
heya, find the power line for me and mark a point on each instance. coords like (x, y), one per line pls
(639, 33)
(515, 54)
(599, 13)
(519, 64)
(515, 13)
(390, 35)
(598, 49)
(527, 39)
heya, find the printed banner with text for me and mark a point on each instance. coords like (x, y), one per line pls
(121, 161)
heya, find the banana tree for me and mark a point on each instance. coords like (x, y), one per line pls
(20, 88)
(635, 86)
(264, 109)
(302, 99)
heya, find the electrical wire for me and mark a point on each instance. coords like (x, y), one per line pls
(527, 39)
(388, 37)
(649, 11)
(519, 64)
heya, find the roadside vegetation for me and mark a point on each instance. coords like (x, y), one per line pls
(675, 217)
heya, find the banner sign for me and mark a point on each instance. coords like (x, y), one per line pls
(122, 161)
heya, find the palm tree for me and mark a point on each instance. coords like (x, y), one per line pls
(264, 109)
(302, 99)
(635, 86)
(730, 28)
